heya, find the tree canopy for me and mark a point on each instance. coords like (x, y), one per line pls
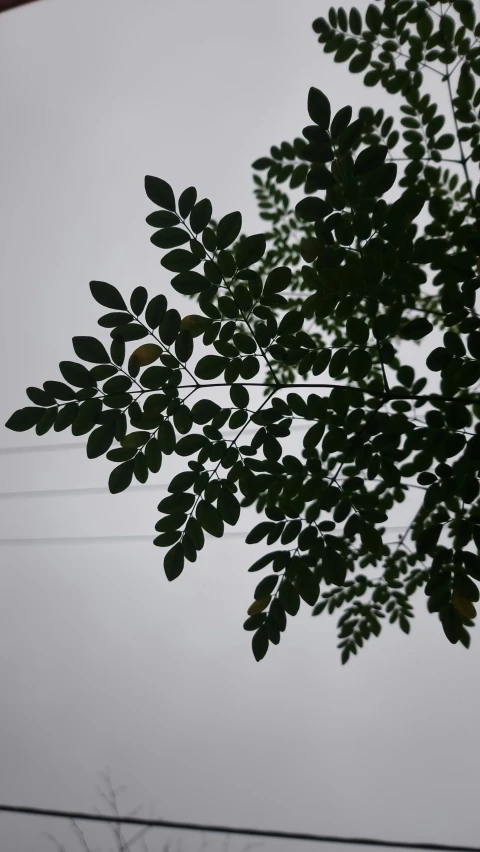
(373, 240)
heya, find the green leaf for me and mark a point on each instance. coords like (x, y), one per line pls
(260, 642)
(133, 331)
(190, 444)
(355, 21)
(65, 416)
(187, 200)
(338, 363)
(228, 229)
(342, 119)
(100, 440)
(357, 331)
(373, 19)
(380, 180)
(47, 420)
(319, 108)
(189, 283)
(169, 238)
(289, 597)
(153, 455)
(90, 349)
(359, 363)
(162, 219)
(174, 562)
(166, 437)
(239, 396)
(114, 319)
(155, 377)
(160, 192)
(24, 418)
(312, 209)
(59, 390)
(179, 502)
(107, 295)
(179, 260)
(76, 374)
(170, 327)
(370, 158)
(438, 359)
(210, 367)
(307, 586)
(209, 518)
(201, 215)
(184, 346)
(416, 328)
(262, 163)
(155, 311)
(120, 477)
(182, 481)
(229, 507)
(204, 410)
(250, 250)
(40, 397)
(444, 142)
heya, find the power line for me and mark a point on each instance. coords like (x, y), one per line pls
(223, 829)
(89, 539)
(6, 542)
(42, 448)
(74, 492)
(77, 445)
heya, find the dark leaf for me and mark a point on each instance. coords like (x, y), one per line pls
(228, 229)
(250, 250)
(319, 108)
(201, 215)
(174, 562)
(170, 326)
(186, 201)
(160, 192)
(90, 349)
(162, 219)
(370, 158)
(24, 418)
(179, 260)
(179, 502)
(99, 441)
(210, 367)
(120, 477)
(416, 328)
(190, 444)
(155, 311)
(40, 397)
(107, 295)
(260, 642)
(169, 238)
(190, 282)
(59, 390)
(209, 518)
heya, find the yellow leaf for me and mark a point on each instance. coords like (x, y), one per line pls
(259, 606)
(463, 606)
(195, 324)
(145, 355)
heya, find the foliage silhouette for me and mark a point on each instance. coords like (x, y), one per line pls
(308, 322)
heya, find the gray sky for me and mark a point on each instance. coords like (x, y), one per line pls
(102, 662)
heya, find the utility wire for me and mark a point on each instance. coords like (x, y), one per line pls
(74, 492)
(224, 829)
(7, 542)
(77, 445)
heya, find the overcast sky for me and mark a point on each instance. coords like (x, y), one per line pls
(102, 662)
